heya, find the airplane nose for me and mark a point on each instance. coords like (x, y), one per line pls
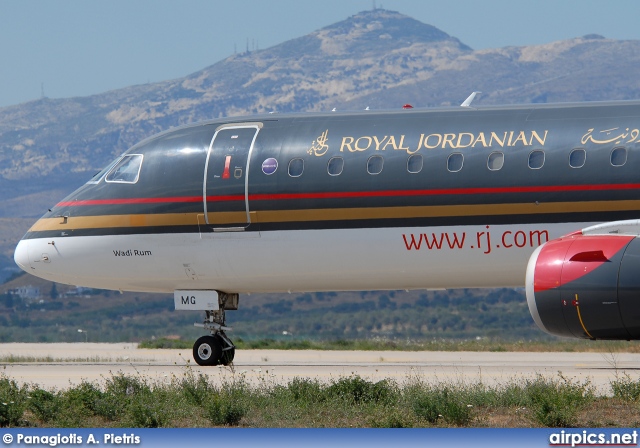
(21, 255)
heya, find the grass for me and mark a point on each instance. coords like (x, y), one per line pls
(198, 400)
(448, 345)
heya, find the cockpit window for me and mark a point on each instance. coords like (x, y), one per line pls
(127, 170)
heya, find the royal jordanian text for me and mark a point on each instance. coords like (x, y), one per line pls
(461, 140)
(457, 140)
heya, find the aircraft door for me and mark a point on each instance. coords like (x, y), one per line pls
(226, 200)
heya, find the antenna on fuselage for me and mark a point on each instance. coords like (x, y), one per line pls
(469, 100)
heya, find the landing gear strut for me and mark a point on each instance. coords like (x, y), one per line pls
(216, 348)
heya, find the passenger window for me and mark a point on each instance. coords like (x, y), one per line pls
(127, 170)
(455, 162)
(296, 167)
(495, 161)
(618, 156)
(577, 158)
(414, 163)
(374, 164)
(335, 166)
(536, 159)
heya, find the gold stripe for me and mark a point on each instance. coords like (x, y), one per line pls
(110, 221)
(332, 214)
(580, 319)
(436, 211)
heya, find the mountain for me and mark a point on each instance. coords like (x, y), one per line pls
(359, 56)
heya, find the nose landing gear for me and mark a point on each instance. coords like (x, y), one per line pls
(216, 348)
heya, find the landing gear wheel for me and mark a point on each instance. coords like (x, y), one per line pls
(216, 348)
(207, 351)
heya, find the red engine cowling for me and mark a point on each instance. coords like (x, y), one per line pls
(586, 286)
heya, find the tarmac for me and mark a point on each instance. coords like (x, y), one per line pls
(59, 365)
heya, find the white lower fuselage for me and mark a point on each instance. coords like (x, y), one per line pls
(294, 261)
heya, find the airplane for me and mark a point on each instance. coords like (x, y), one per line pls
(541, 195)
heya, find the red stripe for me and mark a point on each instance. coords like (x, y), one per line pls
(357, 194)
(130, 201)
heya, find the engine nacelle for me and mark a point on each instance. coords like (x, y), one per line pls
(586, 286)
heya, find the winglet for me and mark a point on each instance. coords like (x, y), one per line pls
(470, 98)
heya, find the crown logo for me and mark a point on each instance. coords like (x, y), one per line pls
(319, 146)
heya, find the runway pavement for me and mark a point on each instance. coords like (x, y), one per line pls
(60, 365)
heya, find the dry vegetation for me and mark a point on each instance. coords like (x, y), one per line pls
(137, 401)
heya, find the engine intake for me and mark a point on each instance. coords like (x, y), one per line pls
(586, 286)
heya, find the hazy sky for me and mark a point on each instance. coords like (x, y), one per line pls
(80, 47)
